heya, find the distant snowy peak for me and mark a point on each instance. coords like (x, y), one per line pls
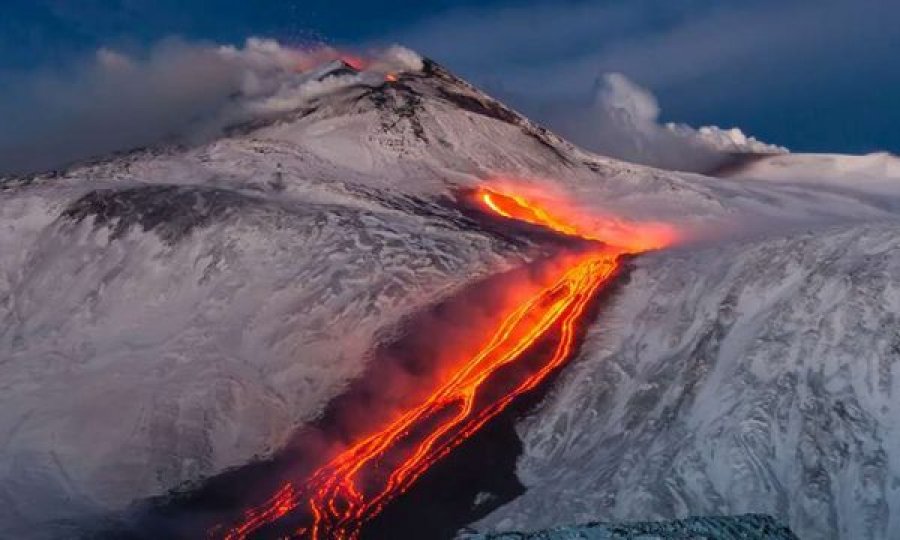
(874, 173)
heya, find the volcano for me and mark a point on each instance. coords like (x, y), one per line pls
(174, 313)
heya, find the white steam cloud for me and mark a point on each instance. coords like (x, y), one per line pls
(178, 92)
(623, 122)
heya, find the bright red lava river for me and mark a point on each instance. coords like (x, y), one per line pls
(356, 484)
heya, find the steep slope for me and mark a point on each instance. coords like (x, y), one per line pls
(753, 377)
(155, 334)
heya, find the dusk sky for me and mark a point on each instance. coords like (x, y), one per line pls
(812, 75)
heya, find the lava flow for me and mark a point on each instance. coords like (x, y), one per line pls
(337, 499)
(629, 237)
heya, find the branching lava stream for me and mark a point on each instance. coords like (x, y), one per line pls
(341, 496)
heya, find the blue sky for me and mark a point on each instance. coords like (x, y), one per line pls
(811, 75)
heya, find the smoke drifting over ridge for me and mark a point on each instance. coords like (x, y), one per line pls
(623, 122)
(179, 91)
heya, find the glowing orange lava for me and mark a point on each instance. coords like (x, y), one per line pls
(354, 486)
(308, 59)
(630, 237)
(355, 61)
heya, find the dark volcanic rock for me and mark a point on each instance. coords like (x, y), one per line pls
(172, 211)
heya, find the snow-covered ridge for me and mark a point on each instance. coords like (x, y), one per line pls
(877, 173)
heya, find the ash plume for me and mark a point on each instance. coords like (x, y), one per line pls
(178, 92)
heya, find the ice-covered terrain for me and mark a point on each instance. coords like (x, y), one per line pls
(876, 174)
(720, 528)
(175, 311)
(757, 376)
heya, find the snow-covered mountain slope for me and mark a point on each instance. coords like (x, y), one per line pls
(877, 174)
(171, 312)
(758, 376)
(719, 528)
(155, 334)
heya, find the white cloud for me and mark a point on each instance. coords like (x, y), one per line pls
(623, 122)
(725, 140)
(397, 58)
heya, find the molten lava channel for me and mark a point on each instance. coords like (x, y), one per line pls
(338, 498)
